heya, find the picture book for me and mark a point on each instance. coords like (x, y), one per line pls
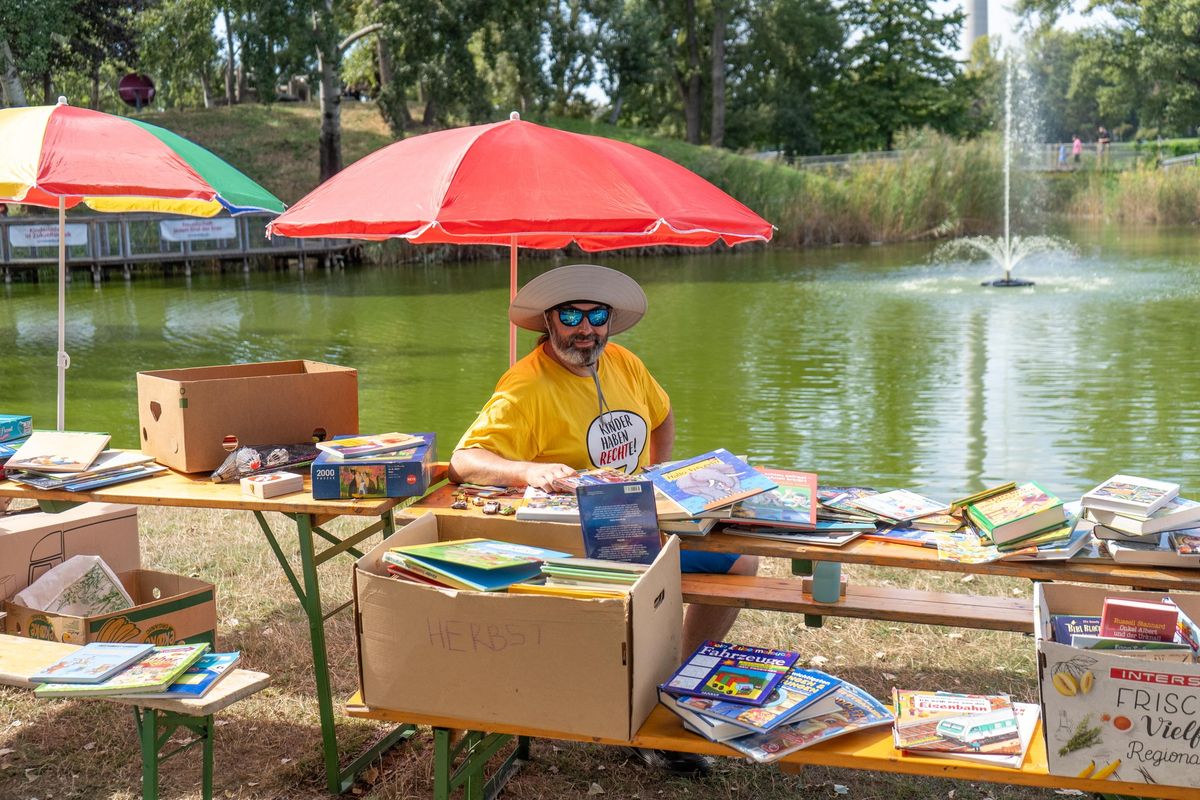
(106, 462)
(614, 570)
(548, 506)
(1018, 512)
(949, 721)
(899, 505)
(1186, 543)
(697, 526)
(15, 426)
(481, 565)
(153, 673)
(838, 502)
(114, 477)
(1057, 550)
(712, 728)
(619, 521)
(272, 484)
(92, 663)
(792, 501)
(1128, 494)
(806, 692)
(734, 672)
(1027, 718)
(1159, 551)
(665, 506)
(817, 537)
(858, 711)
(710, 480)
(354, 446)
(1177, 514)
(58, 451)
(199, 678)
(1064, 626)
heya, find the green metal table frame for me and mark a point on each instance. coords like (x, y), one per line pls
(306, 584)
(460, 764)
(155, 729)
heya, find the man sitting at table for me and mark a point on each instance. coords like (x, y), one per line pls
(555, 410)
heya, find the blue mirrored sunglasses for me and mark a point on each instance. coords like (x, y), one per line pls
(572, 316)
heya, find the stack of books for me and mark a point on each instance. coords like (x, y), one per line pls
(14, 430)
(757, 701)
(1143, 521)
(1125, 627)
(110, 669)
(793, 512)
(75, 462)
(481, 565)
(990, 729)
(583, 577)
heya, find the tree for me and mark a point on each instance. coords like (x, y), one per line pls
(899, 72)
(177, 48)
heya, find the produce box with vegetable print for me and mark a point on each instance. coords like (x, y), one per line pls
(1129, 717)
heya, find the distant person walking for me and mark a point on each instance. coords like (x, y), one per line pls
(1102, 141)
(1062, 155)
(1076, 149)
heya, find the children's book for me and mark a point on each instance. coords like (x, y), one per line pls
(1065, 626)
(354, 446)
(1186, 543)
(108, 461)
(802, 693)
(93, 663)
(619, 521)
(949, 721)
(1057, 550)
(153, 673)
(697, 526)
(793, 501)
(824, 538)
(199, 678)
(836, 502)
(711, 728)
(734, 672)
(58, 451)
(899, 505)
(548, 506)
(909, 536)
(1129, 494)
(1016, 513)
(114, 477)
(15, 426)
(708, 481)
(666, 507)
(947, 523)
(1160, 552)
(1027, 717)
(858, 711)
(482, 565)
(1177, 514)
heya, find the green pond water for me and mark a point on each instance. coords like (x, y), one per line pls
(867, 365)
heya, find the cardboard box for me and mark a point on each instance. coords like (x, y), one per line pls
(1146, 712)
(185, 415)
(404, 473)
(168, 609)
(589, 667)
(33, 542)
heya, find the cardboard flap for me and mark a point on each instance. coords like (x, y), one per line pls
(657, 616)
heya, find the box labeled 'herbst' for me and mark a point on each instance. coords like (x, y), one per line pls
(34, 542)
(168, 609)
(583, 666)
(185, 415)
(403, 473)
(1115, 717)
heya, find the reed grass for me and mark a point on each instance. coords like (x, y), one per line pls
(268, 746)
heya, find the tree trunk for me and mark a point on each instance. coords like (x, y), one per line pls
(229, 65)
(615, 114)
(330, 145)
(14, 92)
(48, 98)
(716, 136)
(691, 110)
(206, 89)
(430, 115)
(95, 87)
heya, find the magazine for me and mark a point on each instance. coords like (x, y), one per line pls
(859, 711)
(733, 672)
(950, 721)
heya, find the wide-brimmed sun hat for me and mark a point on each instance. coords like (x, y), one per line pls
(581, 283)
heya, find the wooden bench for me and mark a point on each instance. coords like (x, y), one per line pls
(157, 719)
(460, 759)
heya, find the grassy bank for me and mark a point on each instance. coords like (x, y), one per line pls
(936, 189)
(268, 746)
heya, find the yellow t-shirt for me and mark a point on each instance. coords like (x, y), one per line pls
(542, 412)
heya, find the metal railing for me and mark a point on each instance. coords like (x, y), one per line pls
(99, 240)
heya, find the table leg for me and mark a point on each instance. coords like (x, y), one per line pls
(476, 749)
(147, 724)
(804, 567)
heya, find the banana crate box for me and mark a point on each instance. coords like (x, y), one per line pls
(1116, 717)
(168, 609)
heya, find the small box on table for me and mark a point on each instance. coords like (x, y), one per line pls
(168, 609)
(272, 484)
(185, 415)
(589, 667)
(404, 473)
(15, 426)
(1137, 715)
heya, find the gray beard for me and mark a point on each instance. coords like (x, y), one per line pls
(561, 345)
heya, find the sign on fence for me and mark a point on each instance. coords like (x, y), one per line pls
(197, 230)
(45, 235)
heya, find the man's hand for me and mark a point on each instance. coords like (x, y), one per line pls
(543, 476)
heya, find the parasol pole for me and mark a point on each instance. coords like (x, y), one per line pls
(512, 292)
(64, 360)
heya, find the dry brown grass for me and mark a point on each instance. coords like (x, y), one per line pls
(268, 746)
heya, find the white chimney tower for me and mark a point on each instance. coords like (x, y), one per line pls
(977, 21)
